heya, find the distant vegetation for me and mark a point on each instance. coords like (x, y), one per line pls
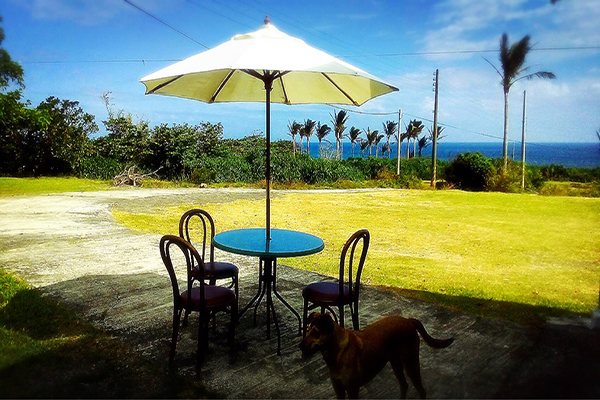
(55, 139)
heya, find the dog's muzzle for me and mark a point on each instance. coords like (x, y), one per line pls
(306, 351)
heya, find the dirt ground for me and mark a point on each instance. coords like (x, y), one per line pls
(70, 246)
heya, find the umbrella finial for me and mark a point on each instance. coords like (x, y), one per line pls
(267, 20)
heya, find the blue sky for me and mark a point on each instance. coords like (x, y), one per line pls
(79, 49)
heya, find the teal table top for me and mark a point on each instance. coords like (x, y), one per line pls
(283, 243)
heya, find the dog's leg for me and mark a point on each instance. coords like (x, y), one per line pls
(338, 387)
(398, 369)
(413, 370)
(353, 392)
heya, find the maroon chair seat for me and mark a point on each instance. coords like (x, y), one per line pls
(214, 297)
(326, 292)
(327, 295)
(218, 270)
(202, 298)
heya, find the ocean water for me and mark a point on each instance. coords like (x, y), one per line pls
(566, 154)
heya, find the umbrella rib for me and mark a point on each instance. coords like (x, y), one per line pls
(253, 73)
(340, 89)
(162, 85)
(223, 83)
(285, 96)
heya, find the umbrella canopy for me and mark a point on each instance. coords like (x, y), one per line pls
(235, 72)
(266, 66)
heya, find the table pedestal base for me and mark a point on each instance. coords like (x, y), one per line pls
(267, 284)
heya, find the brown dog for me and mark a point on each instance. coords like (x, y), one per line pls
(355, 357)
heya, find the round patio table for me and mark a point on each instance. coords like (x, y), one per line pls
(283, 243)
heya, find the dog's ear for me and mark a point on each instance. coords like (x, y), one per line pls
(326, 323)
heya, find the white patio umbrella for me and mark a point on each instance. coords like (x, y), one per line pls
(266, 66)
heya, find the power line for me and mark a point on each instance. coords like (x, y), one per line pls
(220, 14)
(164, 23)
(143, 61)
(436, 53)
(362, 112)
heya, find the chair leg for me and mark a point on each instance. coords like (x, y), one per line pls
(232, 329)
(237, 293)
(185, 318)
(341, 310)
(176, 320)
(355, 317)
(202, 341)
(304, 318)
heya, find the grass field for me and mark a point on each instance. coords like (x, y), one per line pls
(487, 252)
(37, 186)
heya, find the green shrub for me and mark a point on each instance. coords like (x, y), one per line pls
(469, 171)
(100, 167)
(508, 181)
(203, 175)
(573, 174)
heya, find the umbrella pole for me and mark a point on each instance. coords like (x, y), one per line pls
(268, 86)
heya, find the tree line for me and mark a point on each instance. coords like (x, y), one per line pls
(56, 137)
(363, 139)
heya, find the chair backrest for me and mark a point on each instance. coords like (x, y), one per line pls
(191, 257)
(207, 231)
(353, 272)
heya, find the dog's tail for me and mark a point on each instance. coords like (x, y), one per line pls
(435, 343)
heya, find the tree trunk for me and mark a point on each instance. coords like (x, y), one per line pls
(505, 143)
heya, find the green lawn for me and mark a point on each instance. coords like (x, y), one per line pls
(528, 254)
(37, 186)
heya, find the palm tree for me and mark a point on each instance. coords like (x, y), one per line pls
(389, 130)
(423, 142)
(371, 138)
(426, 140)
(413, 130)
(353, 135)
(322, 131)
(294, 129)
(307, 131)
(377, 140)
(363, 146)
(385, 148)
(338, 120)
(511, 60)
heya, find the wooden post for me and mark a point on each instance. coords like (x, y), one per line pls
(399, 142)
(435, 131)
(523, 140)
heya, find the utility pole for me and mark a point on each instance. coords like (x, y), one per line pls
(523, 140)
(436, 84)
(399, 142)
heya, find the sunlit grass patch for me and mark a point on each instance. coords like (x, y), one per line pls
(511, 248)
(37, 186)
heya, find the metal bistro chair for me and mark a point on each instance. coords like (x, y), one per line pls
(339, 294)
(213, 270)
(204, 299)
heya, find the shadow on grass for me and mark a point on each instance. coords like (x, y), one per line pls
(47, 352)
(525, 314)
